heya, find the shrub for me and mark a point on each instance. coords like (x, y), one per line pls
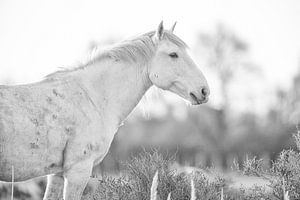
(140, 172)
(286, 172)
(284, 179)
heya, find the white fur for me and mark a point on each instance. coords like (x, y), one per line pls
(64, 125)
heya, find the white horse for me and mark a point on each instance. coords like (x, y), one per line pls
(64, 125)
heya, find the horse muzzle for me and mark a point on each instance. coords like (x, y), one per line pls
(199, 97)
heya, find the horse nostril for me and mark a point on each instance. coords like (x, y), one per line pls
(193, 96)
(205, 91)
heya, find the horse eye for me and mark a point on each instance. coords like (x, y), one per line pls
(173, 55)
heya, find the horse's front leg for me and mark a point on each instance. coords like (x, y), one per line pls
(55, 187)
(77, 178)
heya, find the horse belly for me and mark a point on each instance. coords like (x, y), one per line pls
(29, 164)
(28, 152)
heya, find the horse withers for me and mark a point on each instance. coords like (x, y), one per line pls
(64, 125)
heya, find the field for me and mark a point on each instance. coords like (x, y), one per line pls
(250, 181)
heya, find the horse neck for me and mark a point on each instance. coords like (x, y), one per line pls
(116, 87)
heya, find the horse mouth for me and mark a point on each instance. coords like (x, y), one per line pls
(196, 100)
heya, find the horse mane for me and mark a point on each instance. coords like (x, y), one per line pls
(139, 49)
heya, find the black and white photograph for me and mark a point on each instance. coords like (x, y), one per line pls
(149, 100)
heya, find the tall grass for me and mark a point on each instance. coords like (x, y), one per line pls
(149, 177)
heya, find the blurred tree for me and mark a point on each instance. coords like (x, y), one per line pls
(226, 55)
(293, 99)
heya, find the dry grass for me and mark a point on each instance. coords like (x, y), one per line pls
(148, 177)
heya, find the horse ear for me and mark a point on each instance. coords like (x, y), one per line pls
(160, 31)
(173, 27)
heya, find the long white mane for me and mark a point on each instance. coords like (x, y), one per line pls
(140, 49)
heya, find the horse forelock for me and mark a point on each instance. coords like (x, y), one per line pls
(137, 50)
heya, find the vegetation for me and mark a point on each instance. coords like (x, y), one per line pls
(283, 179)
(212, 140)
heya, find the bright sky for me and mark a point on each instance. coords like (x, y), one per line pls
(37, 37)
